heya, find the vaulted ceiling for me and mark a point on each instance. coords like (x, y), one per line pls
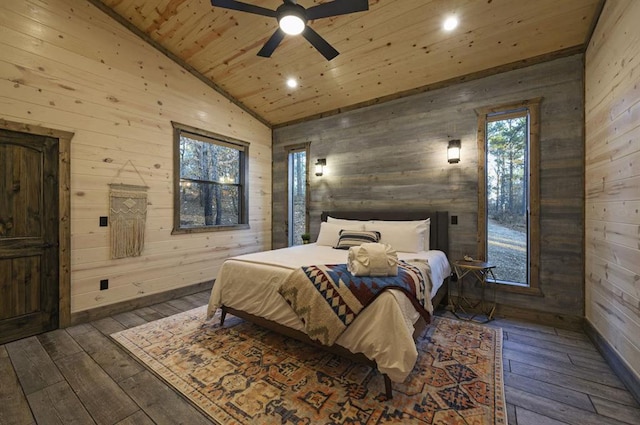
(395, 48)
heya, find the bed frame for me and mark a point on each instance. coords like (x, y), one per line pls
(438, 239)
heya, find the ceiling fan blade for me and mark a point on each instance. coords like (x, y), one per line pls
(271, 44)
(337, 7)
(320, 43)
(244, 7)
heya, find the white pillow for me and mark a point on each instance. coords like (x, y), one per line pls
(330, 232)
(345, 221)
(405, 236)
(427, 231)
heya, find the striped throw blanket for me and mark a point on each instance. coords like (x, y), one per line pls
(327, 298)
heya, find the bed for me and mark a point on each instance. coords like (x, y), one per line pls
(383, 334)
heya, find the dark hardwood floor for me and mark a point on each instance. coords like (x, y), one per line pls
(79, 375)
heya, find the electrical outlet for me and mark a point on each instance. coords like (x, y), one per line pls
(104, 284)
(104, 221)
(454, 219)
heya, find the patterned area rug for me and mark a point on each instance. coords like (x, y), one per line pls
(244, 374)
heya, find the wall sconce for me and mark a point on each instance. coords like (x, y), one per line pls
(320, 163)
(453, 151)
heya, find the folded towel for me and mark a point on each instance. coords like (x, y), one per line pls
(372, 259)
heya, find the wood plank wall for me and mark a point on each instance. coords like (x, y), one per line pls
(393, 155)
(612, 105)
(65, 65)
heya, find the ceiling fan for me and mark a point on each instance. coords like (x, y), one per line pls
(292, 19)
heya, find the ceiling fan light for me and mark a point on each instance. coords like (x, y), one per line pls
(291, 24)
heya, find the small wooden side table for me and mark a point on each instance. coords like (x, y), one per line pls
(481, 271)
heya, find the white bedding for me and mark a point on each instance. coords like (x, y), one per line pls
(383, 332)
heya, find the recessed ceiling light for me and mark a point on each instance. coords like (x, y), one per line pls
(450, 23)
(292, 83)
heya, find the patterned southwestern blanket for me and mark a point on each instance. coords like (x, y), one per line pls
(327, 298)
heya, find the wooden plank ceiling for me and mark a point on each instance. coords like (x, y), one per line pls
(394, 48)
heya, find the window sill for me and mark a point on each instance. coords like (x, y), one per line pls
(209, 229)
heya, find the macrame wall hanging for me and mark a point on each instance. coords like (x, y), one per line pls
(127, 217)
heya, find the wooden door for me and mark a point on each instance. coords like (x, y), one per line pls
(29, 292)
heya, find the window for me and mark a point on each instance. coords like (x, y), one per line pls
(508, 195)
(297, 193)
(210, 181)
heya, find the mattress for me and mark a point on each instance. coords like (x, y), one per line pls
(383, 331)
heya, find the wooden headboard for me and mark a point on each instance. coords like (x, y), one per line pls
(439, 231)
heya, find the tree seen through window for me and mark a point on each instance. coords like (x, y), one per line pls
(211, 182)
(507, 197)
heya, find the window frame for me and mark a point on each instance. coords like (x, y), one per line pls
(243, 184)
(495, 113)
(301, 147)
